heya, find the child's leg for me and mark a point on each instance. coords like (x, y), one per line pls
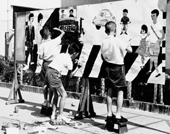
(142, 61)
(122, 29)
(50, 92)
(45, 92)
(54, 105)
(126, 28)
(156, 66)
(109, 102)
(63, 94)
(150, 64)
(119, 103)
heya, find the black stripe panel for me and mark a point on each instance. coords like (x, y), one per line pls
(164, 15)
(130, 58)
(163, 56)
(163, 69)
(163, 43)
(91, 60)
(164, 29)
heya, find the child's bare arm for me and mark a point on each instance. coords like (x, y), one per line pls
(62, 32)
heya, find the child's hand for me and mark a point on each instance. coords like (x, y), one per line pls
(55, 28)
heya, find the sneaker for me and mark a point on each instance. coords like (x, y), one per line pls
(121, 33)
(126, 33)
(79, 116)
(122, 119)
(64, 118)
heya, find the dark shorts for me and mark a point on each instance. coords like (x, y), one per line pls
(114, 76)
(44, 69)
(53, 78)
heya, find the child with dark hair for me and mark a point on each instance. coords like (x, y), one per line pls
(142, 50)
(113, 51)
(62, 62)
(156, 35)
(124, 21)
(48, 50)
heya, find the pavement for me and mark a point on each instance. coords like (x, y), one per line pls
(140, 122)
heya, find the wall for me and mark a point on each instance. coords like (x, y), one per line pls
(5, 23)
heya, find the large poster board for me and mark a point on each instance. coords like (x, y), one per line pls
(91, 18)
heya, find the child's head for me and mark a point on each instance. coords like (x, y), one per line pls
(73, 50)
(40, 17)
(46, 32)
(31, 17)
(154, 14)
(71, 11)
(125, 12)
(144, 29)
(110, 27)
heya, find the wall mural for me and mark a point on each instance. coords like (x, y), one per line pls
(86, 24)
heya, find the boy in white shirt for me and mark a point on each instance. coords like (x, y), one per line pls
(62, 62)
(113, 51)
(48, 51)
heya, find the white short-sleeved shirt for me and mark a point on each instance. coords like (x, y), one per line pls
(113, 50)
(157, 28)
(50, 48)
(62, 62)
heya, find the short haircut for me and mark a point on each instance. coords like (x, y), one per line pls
(46, 32)
(30, 15)
(71, 10)
(47, 28)
(73, 48)
(145, 28)
(109, 27)
(40, 17)
(155, 11)
(125, 10)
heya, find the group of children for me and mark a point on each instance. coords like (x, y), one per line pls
(150, 42)
(54, 63)
(150, 39)
(113, 51)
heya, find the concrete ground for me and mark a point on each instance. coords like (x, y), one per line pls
(140, 122)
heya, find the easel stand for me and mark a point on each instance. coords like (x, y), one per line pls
(85, 109)
(12, 98)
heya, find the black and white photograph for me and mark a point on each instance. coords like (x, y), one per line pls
(98, 66)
